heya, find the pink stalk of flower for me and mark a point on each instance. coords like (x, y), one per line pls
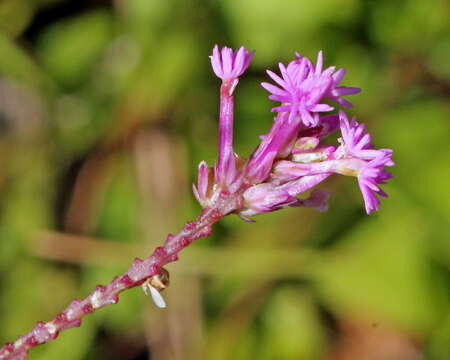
(228, 65)
(290, 160)
(265, 197)
(281, 134)
(304, 183)
(268, 197)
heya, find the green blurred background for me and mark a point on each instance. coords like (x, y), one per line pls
(107, 107)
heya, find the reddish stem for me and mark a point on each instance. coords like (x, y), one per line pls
(226, 164)
(137, 273)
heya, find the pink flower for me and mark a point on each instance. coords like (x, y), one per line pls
(355, 141)
(201, 192)
(372, 175)
(355, 144)
(264, 198)
(336, 92)
(302, 87)
(229, 64)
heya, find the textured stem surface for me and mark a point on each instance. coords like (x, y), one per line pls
(137, 273)
(226, 164)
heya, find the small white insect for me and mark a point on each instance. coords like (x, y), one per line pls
(157, 297)
(155, 284)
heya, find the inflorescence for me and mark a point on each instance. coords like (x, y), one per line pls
(291, 158)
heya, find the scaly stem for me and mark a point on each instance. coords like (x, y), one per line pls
(137, 273)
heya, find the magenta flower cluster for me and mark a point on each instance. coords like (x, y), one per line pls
(303, 86)
(290, 160)
(291, 157)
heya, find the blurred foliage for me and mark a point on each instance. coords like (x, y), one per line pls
(106, 108)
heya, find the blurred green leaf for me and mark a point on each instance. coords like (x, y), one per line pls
(16, 64)
(277, 29)
(119, 215)
(438, 58)
(292, 328)
(70, 48)
(15, 15)
(440, 338)
(380, 266)
(143, 19)
(419, 133)
(165, 71)
(26, 202)
(400, 24)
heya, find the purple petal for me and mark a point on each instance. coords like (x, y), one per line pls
(216, 63)
(345, 90)
(276, 78)
(273, 89)
(319, 63)
(338, 76)
(321, 108)
(248, 58)
(239, 62)
(227, 61)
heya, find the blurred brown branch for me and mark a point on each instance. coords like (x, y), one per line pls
(76, 249)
